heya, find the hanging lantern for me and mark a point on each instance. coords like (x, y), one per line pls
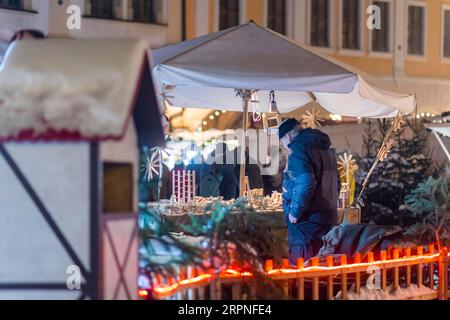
(272, 104)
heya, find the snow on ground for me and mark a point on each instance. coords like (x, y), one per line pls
(390, 294)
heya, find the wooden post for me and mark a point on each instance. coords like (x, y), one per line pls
(443, 275)
(268, 265)
(408, 268)
(183, 276)
(330, 291)
(383, 256)
(300, 281)
(357, 274)
(171, 281)
(285, 265)
(396, 274)
(236, 291)
(431, 268)
(253, 290)
(201, 289)
(419, 267)
(245, 100)
(370, 258)
(315, 288)
(216, 290)
(344, 278)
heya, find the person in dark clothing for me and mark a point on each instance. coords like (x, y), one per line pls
(252, 171)
(310, 188)
(223, 171)
(274, 183)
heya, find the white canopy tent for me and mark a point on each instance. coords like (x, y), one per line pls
(443, 129)
(209, 70)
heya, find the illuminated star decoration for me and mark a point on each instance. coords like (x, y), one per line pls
(153, 164)
(165, 97)
(311, 119)
(347, 165)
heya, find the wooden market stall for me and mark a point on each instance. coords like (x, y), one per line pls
(73, 115)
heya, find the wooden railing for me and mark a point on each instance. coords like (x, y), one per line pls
(395, 269)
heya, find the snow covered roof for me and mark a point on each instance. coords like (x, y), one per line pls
(73, 89)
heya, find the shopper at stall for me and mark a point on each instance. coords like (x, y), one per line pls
(310, 188)
(217, 178)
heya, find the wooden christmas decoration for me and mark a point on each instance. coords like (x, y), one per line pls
(183, 186)
(312, 119)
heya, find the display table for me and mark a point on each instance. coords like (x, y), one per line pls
(178, 220)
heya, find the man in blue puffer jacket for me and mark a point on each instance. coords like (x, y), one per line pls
(310, 188)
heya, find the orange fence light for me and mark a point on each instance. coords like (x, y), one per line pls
(165, 290)
(143, 293)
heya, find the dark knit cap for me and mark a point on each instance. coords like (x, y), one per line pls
(286, 126)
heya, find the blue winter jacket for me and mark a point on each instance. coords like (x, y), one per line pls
(310, 186)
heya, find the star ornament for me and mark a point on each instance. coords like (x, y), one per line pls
(167, 99)
(312, 119)
(347, 164)
(153, 164)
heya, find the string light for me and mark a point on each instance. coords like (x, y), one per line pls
(205, 123)
(143, 293)
(211, 117)
(335, 117)
(224, 111)
(217, 113)
(230, 273)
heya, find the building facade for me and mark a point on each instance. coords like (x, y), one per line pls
(159, 22)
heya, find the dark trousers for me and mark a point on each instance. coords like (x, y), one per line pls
(312, 233)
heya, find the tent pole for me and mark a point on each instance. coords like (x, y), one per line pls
(246, 95)
(441, 143)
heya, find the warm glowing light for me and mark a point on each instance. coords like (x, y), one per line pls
(211, 117)
(142, 293)
(353, 265)
(335, 117)
(205, 123)
(230, 273)
(224, 111)
(217, 113)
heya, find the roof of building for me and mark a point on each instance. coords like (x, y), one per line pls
(73, 89)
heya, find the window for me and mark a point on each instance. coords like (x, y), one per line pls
(117, 187)
(319, 23)
(102, 8)
(276, 15)
(144, 11)
(228, 14)
(12, 4)
(350, 24)
(446, 32)
(416, 30)
(381, 37)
